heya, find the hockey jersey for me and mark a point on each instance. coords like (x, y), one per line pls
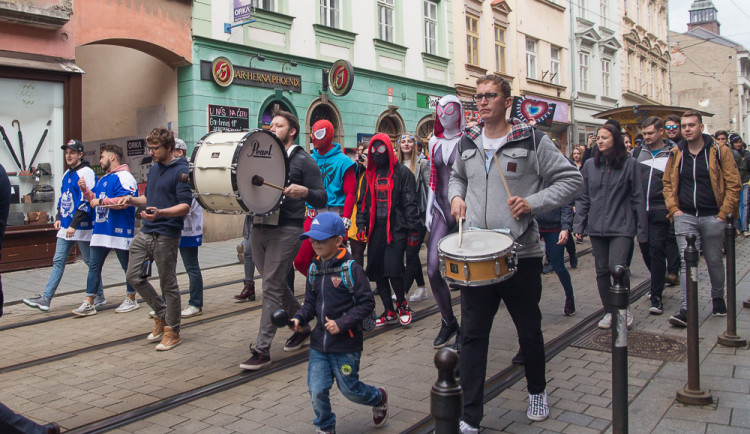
(114, 228)
(71, 199)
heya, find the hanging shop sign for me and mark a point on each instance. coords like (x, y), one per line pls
(223, 73)
(341, 77)
(226, 118)
(427, 101)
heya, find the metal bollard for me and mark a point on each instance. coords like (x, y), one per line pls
(618, 296)
(730, 338)
(446, 396)
(692, 394)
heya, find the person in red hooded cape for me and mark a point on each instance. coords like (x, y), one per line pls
(388, 216)
(339, 180)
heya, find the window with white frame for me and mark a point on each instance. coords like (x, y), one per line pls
(554, 66)
(583, 70)
(531, 58)
(330, 13)
(430, 26)
(499, 49)
(604, 10)
(385, 19)
(269, 5)
(472, 39)
(606, 74)
(582, 8)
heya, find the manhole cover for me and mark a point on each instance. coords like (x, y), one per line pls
(640, 344)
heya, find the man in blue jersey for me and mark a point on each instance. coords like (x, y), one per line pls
(114, 225)
(166, 202)
(190, 240)
(74, 224)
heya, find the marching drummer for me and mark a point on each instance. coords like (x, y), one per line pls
(496, 183)
(275, 241)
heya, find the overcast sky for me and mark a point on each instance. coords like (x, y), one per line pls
(734, 17)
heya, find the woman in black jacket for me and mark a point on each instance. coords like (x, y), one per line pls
(612, 207)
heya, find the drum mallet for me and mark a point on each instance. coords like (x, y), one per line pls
(502, 176)
(258, 180)
(280, 318)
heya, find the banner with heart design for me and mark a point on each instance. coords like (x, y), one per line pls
(527, 109)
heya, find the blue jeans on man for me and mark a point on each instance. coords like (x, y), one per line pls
(344, 367)
(98, 255)
(62, 250)
(193, 270)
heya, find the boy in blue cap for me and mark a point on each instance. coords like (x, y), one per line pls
(338, 294)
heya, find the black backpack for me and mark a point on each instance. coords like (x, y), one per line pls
(345, 271)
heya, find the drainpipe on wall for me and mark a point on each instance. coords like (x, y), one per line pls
(574, 129)
(669, 47)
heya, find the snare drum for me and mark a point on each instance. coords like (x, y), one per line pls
(485, 257)
(223, 164)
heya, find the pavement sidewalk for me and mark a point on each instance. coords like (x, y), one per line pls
(18, 285)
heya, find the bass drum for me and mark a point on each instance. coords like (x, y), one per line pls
(222, 167)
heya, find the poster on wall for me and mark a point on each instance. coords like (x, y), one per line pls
(134, 155)
(226, 118)
(527, 109)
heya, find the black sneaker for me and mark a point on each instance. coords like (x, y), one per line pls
(295, 342)
(256, 361)
(573, 262)
(657, 308)
(570, 307)
(720, 308)
(518, 358)
(447, 330)
(679, 319)
(457, 343)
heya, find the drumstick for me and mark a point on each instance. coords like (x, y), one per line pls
(258, 180)
(502, 176)
(460, 232)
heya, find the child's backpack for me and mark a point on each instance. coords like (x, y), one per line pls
(345, 270)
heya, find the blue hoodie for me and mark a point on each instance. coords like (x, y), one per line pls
(333, 165)
(164, 190)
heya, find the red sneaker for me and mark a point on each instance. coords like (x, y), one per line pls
(380, 411)
(385, 318)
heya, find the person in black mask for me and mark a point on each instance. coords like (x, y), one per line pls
(388, 217)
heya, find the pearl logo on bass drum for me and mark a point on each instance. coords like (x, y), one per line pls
(257, 152)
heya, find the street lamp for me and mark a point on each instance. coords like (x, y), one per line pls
(291, 63)
(260, 57)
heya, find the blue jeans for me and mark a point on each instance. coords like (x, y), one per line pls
(556, 255)
(11, 422)
(741, 223)
(98, 256)
(62, 250)
(193, 270)
(322, 369)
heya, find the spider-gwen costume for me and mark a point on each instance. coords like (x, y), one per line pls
(449, 126)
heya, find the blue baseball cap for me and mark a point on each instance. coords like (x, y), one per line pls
(324, 226)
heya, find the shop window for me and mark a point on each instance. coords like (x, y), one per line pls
(271, 108)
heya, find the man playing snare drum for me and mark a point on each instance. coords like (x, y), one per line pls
(527, 158)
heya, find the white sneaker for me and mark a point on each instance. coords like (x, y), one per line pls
(538, 408)
(420, 294)
(606, 322)
(465, 428)
(85, 309)
(191, 311)
(99, 300)
(127, 306)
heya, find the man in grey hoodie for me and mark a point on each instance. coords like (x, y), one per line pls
(529, 159)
